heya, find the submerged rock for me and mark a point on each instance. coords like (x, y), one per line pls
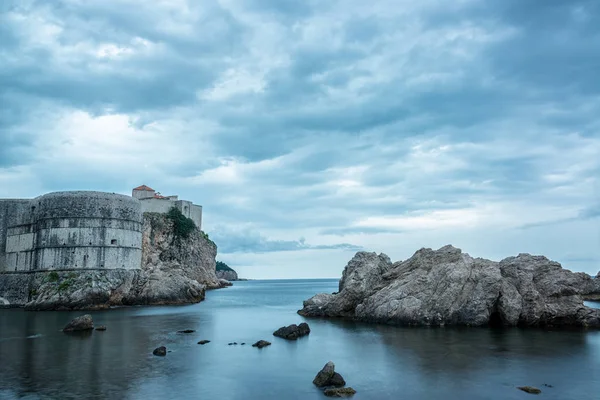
(83, 323)
(101, 328)
(204, 342)
(293, 332)
(530, 389)
(261, 343)
(448, 287)
(340, 392)
(160, 351)
(187, 331)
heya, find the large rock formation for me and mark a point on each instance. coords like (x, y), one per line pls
(448, 287)
(174, 270)
(225, 272)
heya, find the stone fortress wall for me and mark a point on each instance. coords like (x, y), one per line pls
(72, 230)
(79, 230)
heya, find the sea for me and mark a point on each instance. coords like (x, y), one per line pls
(38, 361)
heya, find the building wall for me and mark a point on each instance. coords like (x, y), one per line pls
(12, 212)
(187, 208)
(77, 230)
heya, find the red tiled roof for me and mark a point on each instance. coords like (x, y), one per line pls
(144, 187)
(158, 196)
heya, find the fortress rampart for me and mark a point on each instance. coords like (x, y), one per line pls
(80, 230)
(66, 230)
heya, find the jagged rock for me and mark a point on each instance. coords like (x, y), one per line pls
(160, 351)
(204, 342)
(293, 332)
(101, 328)
(448, 287)
(325, 374)
(530, 389)
(261, 343)
(83, 323)
(187, 331)
(340, 392)
(227, 275)
(336, 380)
(224, 283)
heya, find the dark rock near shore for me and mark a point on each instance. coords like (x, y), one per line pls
(325, 375)
(101, 328)
(449, 287)
(293, 332)
(187, 331)
(261, 343)
(530, 389)
(83, 323)
(160, 351)
(203, 342)
(340, 392)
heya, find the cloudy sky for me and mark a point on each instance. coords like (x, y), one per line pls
(309, 130)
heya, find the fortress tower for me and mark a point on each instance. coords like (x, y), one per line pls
(71, 230)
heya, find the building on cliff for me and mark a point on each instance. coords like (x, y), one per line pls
(80, 230)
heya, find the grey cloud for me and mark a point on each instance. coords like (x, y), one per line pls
(250, 241)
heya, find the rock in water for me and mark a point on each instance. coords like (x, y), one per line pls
(261, 343)
(293, 331)
(101, 328)
(224, 283)
(187, 331)
(160, 351)
(340, 392)
(204, 341)
(325, 374)
(448, 287)
(83, 323)
(336, 380)
(530, 389)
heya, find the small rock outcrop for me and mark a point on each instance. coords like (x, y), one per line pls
(449, 287)
(340, 392)
(530, 389)
(203, 342)
(292, 332)
(186, 331)
(261, 343)
(83, 323)
(160, 351)
(225, 272)
(224, 283)
(101, 328)
(328, 377)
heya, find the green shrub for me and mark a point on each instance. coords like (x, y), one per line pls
(221, 266)
(53, 276)
(65, 285)
(182, 226)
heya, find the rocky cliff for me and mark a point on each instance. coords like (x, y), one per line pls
(226, 272)
(449, 287)
(175, 269)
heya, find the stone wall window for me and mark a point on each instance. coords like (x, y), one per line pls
(114, 241)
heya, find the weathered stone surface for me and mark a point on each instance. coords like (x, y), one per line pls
(160, 351)
(173, 271)
(261, 343)
(340, 392)
(336, 380)
(292, 332)
(530, 389)
(227, 275)
(83, 323)
(325, 374)
(224, 283)
(448, 287)
(101, 328)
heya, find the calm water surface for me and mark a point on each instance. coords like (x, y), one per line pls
(37, 361)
